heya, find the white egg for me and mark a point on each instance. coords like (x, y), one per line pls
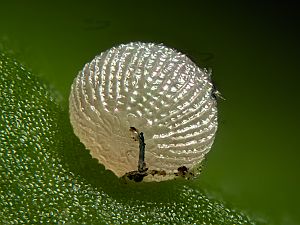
(149, 88)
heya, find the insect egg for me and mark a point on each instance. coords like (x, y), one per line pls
(145, 111)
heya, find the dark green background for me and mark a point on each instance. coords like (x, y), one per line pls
(252, 49)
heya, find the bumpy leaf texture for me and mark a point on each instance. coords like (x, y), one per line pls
(46, 175)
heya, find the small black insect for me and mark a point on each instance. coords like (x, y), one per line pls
(138, 175)
(215, 93)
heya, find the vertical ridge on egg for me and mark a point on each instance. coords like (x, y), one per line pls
(155, 89)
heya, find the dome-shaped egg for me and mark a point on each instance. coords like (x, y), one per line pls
(144, 111)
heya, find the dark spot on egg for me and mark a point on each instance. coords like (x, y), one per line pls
(135, 176)
(182, 171)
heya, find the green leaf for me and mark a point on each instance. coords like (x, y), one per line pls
(47, 176)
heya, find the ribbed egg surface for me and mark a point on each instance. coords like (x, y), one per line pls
(150, 89)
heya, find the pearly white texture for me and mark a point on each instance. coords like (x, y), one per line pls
(156, 90)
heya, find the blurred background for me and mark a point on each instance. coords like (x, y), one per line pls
(252, 48)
